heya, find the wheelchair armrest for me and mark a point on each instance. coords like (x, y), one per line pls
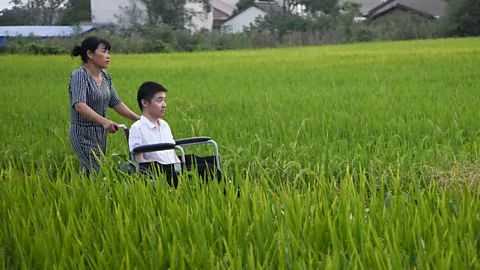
(153, 148)
(192, 140)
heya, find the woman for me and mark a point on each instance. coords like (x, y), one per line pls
(91, 91)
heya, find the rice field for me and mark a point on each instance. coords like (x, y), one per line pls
(352, 156)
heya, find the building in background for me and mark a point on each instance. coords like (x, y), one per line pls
(239, 21)
(367, 5)
(221, 12)
(106, 12)
(428, 9)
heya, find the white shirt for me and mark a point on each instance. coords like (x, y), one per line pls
(145, 132)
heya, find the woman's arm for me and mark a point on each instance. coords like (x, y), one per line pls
(90, 114)
(124, 111)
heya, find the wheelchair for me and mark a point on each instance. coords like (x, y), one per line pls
(207, 168)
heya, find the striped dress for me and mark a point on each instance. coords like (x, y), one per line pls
(89, 139)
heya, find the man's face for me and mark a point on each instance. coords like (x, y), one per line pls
(157, 105)
(101, 57)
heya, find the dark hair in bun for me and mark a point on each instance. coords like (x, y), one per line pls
(77, 50)
(89, 44)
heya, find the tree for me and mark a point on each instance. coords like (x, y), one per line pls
(16, 16)
(40, 12)
(172, 12)
(352, 31)
(244, 4)
(314, 7)
(462, 18)
(322, 6)
(74, 12)
(130, 18)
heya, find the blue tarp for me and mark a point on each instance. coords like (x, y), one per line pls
(42, 31)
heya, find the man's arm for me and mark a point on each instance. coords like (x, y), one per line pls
(135, 140)
(169, 131)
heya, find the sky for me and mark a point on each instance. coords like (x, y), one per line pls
(5, 4)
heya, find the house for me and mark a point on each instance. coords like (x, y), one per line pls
(232, 3)
(221, 11)
(367, 5)
(106, 12)
(41, 31)
(239, 21)
(429, 9)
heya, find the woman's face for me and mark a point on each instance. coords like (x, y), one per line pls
(101, 57)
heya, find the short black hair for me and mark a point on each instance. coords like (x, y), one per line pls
(89, 44)
(147, 90)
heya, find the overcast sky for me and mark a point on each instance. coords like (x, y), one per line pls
(4, 4)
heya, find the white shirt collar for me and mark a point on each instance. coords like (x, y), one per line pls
(149, 124)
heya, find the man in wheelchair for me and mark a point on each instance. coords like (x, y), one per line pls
(151, 141)
(151, 129)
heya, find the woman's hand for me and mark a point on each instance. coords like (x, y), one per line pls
(86, 111)
(111, 126)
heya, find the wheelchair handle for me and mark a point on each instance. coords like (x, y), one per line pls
(153, 148)
(194, 140)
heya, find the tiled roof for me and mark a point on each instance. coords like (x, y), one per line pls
(223, 7)
(430, 7)
(269, 7)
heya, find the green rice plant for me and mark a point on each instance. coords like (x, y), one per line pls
(352, 156)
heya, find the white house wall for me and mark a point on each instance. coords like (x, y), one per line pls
(104, 11)
(367, 5)
(243, 19)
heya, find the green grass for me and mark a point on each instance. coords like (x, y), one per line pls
(311, 136)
